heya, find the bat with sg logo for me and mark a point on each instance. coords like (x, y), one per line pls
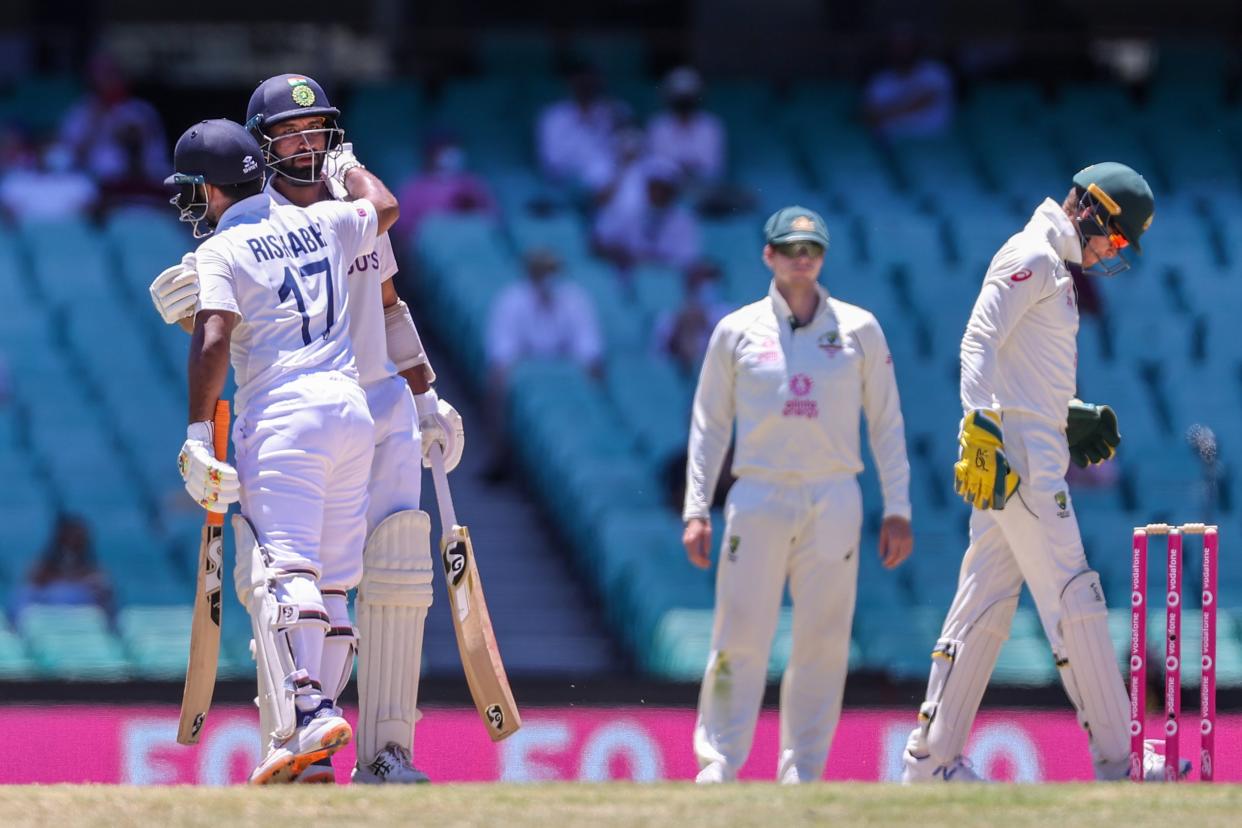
(200, 672)
(476, 640)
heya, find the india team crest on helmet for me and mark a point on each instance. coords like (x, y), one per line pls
(303, 95)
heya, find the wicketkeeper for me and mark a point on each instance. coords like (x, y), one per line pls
(1018, 366)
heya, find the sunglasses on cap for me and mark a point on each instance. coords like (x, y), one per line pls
(792, 250)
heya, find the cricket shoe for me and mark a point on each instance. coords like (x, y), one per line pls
(919, 769)
(318, 773)
(391, 766)
(713, 773)
(320, 734)
(1154, 764)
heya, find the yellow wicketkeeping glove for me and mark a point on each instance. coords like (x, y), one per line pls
(982, 476)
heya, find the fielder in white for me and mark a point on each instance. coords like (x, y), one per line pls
(793, 370)
(1018, 367)
(274, 301)
(296, 126)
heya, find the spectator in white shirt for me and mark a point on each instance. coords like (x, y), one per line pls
(576, 135)
(648, 224)
(542, 317)
(913, 96)
(684, 132)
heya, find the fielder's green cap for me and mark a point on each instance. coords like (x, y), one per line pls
(1124, 194)
(790, 224)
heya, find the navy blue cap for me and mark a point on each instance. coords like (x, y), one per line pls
(217, 152)
(283, 97)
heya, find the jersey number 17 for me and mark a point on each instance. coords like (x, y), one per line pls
(290, 287)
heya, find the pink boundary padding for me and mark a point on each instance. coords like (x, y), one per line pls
(1207, 688)
(137, 745)
(1173, 657)
(1138, 651)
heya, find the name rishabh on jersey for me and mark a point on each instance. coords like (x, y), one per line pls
(283, 270)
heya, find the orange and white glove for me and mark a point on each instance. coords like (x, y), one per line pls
(212, 483)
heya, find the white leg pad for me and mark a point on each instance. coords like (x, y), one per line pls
(392, 607)
(960, 672)
(287, 617)
(1091, 677)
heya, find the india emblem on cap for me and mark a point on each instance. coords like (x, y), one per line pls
(803, 223)
(303, 95)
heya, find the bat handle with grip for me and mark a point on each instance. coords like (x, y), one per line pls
(448, 516)
(220, 435)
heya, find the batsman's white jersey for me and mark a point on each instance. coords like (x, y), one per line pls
(795, 512)
(1019, 356)
(396, 470)
(302, 437)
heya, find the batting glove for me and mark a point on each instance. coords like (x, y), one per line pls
(212, 483)
(175, 291)
(439, 423)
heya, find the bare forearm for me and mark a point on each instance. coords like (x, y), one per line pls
(361, 183)
(417, 378)
(209, 362)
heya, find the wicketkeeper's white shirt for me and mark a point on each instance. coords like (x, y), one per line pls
(796, 395)
(1020, 349)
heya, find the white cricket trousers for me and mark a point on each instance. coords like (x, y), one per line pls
(303, 458)
(1034, 539)
(808, 533)
(397, 467)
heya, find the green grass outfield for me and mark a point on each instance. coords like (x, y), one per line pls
(681, 805)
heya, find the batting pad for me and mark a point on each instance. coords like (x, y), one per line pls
(1103, 705)
(959, 676)
(392, 607)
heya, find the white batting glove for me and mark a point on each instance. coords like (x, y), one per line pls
(439, 423)
(336, 165)
(175, 291)
(210, 482)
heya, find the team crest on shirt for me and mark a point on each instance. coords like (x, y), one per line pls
(830, 343)
(1062, 501)
(734, 542)
(800, 385)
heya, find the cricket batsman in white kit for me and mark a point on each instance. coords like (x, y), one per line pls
(296, 126)
(794, 370)
(1018, 380)
(274, 300)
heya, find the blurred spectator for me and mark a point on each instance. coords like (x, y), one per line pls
(443, 186)
(684, 132)
(544, 316)
(576, 134)
(622, 170)
(682, 333)
(912, 97)
(133, 187)
(66, 572)
(101, 131)
(647, 223)
(39, 182)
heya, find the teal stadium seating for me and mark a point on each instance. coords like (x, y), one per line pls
(913, 227)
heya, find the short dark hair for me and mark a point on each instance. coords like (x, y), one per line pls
(236, 192)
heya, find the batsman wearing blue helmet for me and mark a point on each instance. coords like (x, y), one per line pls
(304, 146)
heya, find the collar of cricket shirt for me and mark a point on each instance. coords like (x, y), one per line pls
(258, 203)
(1060, 231)
(781, 307)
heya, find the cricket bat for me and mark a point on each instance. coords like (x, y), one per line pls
(200, 672)
(476, 641)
